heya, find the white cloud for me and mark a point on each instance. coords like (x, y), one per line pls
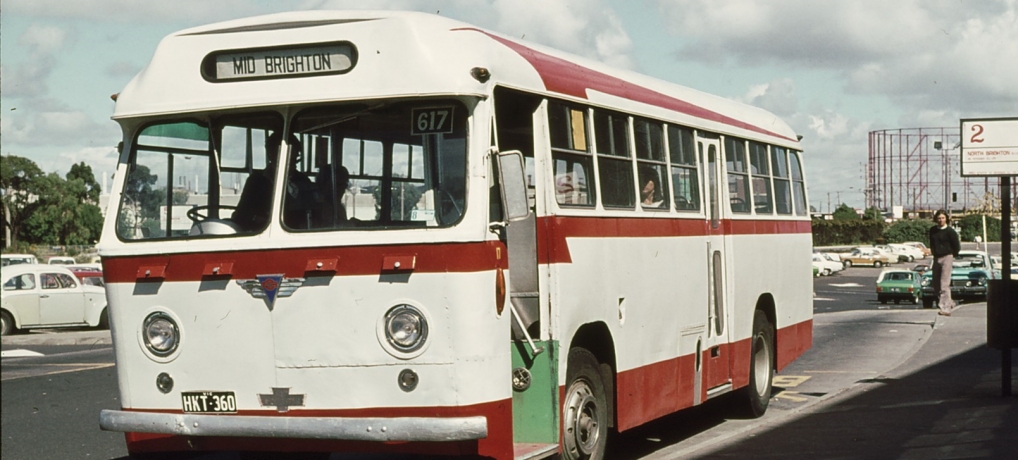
(43, 39)
(778, 97)
(952, 56)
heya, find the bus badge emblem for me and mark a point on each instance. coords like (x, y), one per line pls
(281, 399)
(269, 287)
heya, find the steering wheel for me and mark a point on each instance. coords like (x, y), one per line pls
(199, 214)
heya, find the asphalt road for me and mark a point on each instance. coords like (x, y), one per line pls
(55, 383)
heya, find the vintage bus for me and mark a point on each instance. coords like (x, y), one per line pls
(395, 232)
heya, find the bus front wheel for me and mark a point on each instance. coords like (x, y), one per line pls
(585, 409)
(757, 394)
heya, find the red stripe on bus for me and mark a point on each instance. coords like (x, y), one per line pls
(553, 247)
(562, 76)
(498, 444)
(352, 260)
(655, 390)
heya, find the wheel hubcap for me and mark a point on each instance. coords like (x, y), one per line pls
(761, 365)
(581, 423)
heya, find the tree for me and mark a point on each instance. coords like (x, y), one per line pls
(66, 215)
(908, 230)
(84, 173)
(844, 212)
(873, 213)
(19, 185)
(972, 226)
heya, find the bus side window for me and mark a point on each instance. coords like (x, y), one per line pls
(570, 150)
(684, 173)
(761, 172)
(615, 168)
(650, 160)
(798, 183)
(738, 183)
(782, 192)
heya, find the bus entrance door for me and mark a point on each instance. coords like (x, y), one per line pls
(715, 353)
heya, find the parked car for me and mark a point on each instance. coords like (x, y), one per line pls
(911, 253)
(898, 285)
(865, 256)
(920, 246)
(57, 260)
(970, 275)
(834, 257)
(824, 266)
(14, 259)
(36, 296)
(89, 274)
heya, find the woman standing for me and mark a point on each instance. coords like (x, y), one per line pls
(944, 244)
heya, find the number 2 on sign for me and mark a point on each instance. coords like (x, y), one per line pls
(977, 132)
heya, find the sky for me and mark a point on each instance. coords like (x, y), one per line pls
(834, 70)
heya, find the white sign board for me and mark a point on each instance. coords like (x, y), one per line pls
(989, 147)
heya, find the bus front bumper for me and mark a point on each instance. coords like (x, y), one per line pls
(331, 428)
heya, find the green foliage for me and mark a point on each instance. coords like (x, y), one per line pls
(845, 212)
(19, 180)
(972, 226)
(83, 172)
(845, 232)
(908, 230)
(873, 213)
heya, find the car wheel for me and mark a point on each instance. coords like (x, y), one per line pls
(877, 264)
(915, 300)
(756, 396)
(848, 264)
(104, 319)
(911, 258)
(827, 272)
(7, 327)
(585, 409)
(927, 303)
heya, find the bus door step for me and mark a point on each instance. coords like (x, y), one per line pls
(529, 451)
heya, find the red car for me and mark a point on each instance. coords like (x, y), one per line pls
(88, 274)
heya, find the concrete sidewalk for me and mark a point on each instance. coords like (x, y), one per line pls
(945, 402)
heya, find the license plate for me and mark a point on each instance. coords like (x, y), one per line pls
(209, 402)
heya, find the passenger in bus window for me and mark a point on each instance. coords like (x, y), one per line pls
(333, 182)
(252, 213)
(650, 191)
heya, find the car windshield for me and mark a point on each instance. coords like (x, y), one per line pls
(971, 260)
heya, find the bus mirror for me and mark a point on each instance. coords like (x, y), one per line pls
(514, 185)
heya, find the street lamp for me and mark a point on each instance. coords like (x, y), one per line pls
(947, 172)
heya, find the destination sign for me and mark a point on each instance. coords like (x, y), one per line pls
(262, 63)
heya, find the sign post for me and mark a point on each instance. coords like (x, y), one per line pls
(989, 147)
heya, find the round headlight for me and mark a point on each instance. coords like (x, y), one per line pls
(161, 334)
(406, 329)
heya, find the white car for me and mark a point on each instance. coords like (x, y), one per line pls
(826, 266)
(911, 252)
(14, 259)
(40, 296)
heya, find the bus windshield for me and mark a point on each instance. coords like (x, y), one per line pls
(378, 165)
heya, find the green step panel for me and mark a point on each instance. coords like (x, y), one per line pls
(535, 410)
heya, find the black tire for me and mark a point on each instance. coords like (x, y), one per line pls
(104, 319)
(848, 264)
(877, 264)
(757, 395)
(584, 409)
(8, 326)
(927, 303)
(915, 300)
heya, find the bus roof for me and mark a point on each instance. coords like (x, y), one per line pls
(410, 54)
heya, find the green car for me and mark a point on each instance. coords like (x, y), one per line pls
(898, 285)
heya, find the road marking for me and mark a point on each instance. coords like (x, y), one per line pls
(845, 285)
(77, 367)
(789, 381)
(19, 353)
(790, 395)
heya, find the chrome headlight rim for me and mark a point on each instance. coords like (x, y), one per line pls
(162, 317)
(409, 315)
(396, 349)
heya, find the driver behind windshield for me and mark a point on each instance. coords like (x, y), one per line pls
(255, 205)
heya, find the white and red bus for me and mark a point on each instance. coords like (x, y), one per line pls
(394, 232)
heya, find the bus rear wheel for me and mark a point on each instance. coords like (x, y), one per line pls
(756, 396)
(584, 410)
